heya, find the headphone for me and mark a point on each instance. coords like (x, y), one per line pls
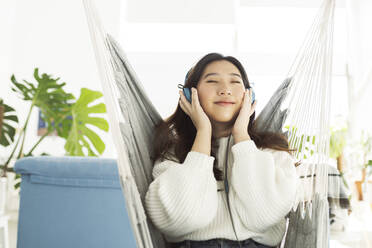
(187, 91)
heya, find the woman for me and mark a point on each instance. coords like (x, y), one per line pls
(217, 181)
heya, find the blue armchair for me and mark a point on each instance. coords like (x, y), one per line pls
(71, 202)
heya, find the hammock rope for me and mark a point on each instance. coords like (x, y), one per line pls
(105, 62)
(299, 108)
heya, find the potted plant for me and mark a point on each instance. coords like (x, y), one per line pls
(366, 141)
(8, 120)
(63, 114)
(337, 144)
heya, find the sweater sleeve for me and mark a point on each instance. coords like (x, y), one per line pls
(183, 197)
(264, 185)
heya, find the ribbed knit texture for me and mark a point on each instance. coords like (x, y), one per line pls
(184, 204)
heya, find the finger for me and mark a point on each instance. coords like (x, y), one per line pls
(194, 96)
(184, 100)
(183, 107)
(182, 95)
(249, 92)
(247, 99)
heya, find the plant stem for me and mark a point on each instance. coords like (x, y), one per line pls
(20, 154)
(5, 169)
(22, 135)
(38, 142)
(46, 134)
(2, 110)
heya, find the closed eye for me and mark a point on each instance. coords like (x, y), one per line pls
(213, 81)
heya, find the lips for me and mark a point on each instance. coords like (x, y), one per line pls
(223, 103)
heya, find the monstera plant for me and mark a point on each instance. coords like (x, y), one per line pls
(78, 131)
(337, 144)
(69, 117)
(8, 120)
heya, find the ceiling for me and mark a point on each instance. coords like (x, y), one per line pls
(289, 3)
(206, 11)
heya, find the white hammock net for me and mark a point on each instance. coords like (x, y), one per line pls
(300, 108)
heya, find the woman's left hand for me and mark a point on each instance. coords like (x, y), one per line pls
(246, 110)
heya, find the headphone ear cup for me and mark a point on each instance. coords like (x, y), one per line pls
(187, 93)
(253, 95)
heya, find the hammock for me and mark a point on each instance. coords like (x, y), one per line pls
(299, 108)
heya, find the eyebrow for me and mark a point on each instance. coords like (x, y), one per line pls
(232, 74)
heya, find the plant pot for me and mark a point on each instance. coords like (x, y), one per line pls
(358, 185)
(3, 194)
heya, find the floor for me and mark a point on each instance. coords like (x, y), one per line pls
(356, 234)
(358, 231)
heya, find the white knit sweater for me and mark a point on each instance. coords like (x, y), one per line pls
(184, 203)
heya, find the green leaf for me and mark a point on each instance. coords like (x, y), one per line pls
(99, 108)
(17, 185)
(301, 143)
(337, 142)
(98, 122)
(11, 117)
(8, 119)
(81, 136)
(48, 95)
(304, 142)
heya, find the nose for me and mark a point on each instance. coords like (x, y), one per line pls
(223, 91)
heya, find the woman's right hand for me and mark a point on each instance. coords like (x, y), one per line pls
(195, 111)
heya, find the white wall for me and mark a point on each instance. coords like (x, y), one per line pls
(53, 36)
(162, 41)
(269, 39)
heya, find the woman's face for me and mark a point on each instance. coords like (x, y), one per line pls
(221, 82)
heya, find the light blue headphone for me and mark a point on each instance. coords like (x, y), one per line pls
(187, 92)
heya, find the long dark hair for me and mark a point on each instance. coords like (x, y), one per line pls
(175, 136)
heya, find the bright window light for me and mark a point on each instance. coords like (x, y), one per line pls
(176, 37)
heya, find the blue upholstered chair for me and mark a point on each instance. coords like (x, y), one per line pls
(68, 202)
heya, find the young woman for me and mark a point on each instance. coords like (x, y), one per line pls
(217, 181)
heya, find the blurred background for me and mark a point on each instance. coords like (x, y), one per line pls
(164, 38)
